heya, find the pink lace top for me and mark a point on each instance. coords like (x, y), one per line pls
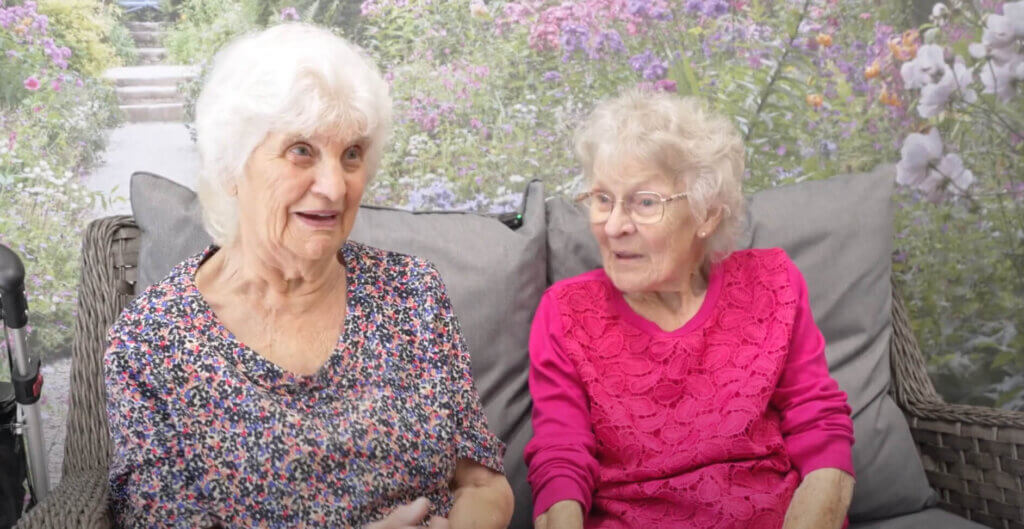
(713, 424)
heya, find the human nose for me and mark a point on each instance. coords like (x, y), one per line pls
(619, 221)
(329, 181)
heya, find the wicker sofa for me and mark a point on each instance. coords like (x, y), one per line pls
(973, 457)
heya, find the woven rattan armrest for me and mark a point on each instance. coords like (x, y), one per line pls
(973, 456)
(109, 257)
(78, 502)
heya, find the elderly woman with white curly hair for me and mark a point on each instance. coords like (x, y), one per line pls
(285, 376)
(682, 384)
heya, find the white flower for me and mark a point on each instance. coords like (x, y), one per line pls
(937, 80)
(940, 13)
(923, 167)
(1015, 12)
(935, 96)
(926, 68)
(997, 41)
(952, 167)
(917, 152)
(999, 79)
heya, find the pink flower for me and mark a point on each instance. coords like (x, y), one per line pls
(665, 85)
(865, 16)
(32, 83)
(37, 109)
(289, 13)
(55, 85)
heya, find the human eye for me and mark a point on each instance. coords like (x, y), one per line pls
(301, 150)
(603, 200)
(645, 203)
(353, 153)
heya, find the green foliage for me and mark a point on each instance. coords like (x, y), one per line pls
(123, 43)
(51, 123)
(203, 26)
(84, 26)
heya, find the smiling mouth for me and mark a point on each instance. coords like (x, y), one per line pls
(318, 218)
(625, 255)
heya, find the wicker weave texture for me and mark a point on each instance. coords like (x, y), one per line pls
(109, 253)
(78, 502)
(973, 456)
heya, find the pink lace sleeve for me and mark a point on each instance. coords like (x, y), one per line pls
(560, 456)
(816, 424)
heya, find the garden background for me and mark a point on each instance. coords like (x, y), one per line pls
(487, 95)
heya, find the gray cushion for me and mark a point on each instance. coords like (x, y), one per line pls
(168, 216)
(839, 233)
(934, 518)
(494, 276)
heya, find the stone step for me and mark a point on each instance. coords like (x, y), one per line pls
(146, 39)
(151, 55)
(152, 75)
(144, 26)
(154, 112)
(138, 95)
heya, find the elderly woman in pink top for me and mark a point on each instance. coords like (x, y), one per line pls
(683, 384)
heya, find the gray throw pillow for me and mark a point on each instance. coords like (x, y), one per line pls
(168, 217)
(494, 277)
(839, 234)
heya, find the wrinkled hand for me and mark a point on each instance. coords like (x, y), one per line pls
(409, 516)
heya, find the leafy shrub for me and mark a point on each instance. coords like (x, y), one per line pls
(204, 25)
(84, 26)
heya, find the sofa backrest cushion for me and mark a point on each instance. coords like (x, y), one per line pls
(494, 277)
(839, 234)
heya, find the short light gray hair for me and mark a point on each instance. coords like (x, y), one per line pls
(682, 139)
(292, 79)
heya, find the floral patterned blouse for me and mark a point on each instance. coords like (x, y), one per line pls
(205, 431)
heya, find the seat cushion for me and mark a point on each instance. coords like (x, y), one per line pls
(494, 276)
(933, 518)
(839, 233)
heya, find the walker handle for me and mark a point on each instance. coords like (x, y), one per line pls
(13, 306)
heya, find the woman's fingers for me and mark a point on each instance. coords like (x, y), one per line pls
(405, 516)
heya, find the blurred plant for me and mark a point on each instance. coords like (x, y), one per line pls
(50, 122)
(968, 320)
(203, 26)
(86, 27)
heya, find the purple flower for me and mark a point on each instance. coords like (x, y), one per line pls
(655, 70)
(573, 37)
(552, 76)
(708, 8)
(639, 62)
(610, 40)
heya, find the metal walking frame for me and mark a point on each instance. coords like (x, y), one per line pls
(25, 376)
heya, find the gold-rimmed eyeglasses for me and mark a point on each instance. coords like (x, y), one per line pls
(643, 207)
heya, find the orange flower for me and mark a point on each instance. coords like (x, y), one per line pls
(872, 71)
(904, 47)
(824, 39)
(889, 98)
(815, 100)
